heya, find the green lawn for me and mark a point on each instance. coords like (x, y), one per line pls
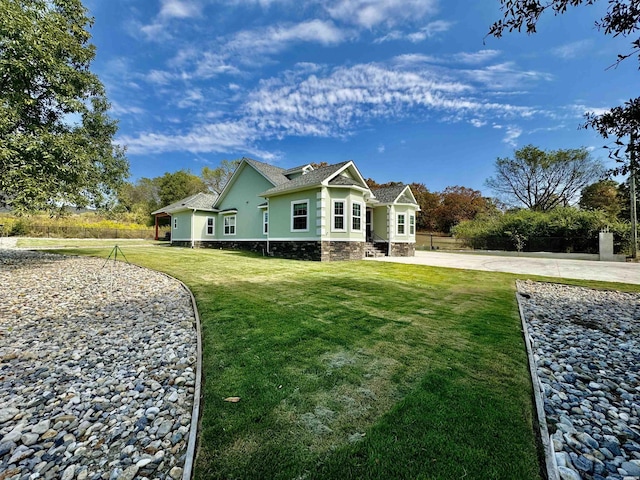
(81, 242)
(355, 370)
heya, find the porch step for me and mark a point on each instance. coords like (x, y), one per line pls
(374, 250)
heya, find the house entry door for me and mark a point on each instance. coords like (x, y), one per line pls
(369, 225)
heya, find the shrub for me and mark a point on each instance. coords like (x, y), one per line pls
(564, 229)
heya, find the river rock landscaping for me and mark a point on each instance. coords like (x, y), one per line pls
(586, 346)
(97, 369)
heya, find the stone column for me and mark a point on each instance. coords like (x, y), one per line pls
(606, 246)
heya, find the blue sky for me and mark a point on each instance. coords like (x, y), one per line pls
(411, 90)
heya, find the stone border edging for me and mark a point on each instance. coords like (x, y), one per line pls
(190, 455)
(549, 453)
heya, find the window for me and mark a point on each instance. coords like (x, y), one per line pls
(400, 224)
(299, 216)
(265, 222)
(230, 225)
(338, 215)
(412, 225)
(211, 226)
(356, 216)
(175, 223)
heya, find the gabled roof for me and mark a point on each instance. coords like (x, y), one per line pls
(199, 201)
(392, 194)
(322, 176)
(275, 175)
(299, 168)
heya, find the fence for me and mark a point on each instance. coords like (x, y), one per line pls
(525, 244)
(53, 231)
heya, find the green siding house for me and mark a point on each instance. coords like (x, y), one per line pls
(326, 213)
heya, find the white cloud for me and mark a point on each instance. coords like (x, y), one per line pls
(511, 135)
(481, 56)
(573, 49)
(381, 148)
(178, 9)
(119, 109)
(157, 30)
(192, 97)
(429, 31)
(332, 104)
(505, 76)
(414, 59)
(222, 137)
(371, 13)
(277, 38)
(253, 47)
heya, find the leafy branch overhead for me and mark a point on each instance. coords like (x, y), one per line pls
(56, 137)
(622, 18)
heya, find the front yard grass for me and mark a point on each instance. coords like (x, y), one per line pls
(356, 370)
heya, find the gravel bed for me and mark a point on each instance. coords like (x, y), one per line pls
(586, 345)
(97, 369)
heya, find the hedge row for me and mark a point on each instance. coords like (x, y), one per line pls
(565, 229)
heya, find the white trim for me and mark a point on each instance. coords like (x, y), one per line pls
(412, 226)
(346, 239)
(180, 239)
(175, 223)
(296, 239)
(224, 225)
(294, 202)
(265, 222)
(345, 206)
(404, 224)
(213, 227)
(354, 217)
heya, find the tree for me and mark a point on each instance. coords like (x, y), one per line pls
(178, 185)
(622, 19)
(542, 180)
(216, 178)
(56, 138)
(458, 204)
(428, 201)
(604, 195)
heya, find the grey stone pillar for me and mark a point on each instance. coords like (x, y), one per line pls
(606, 246)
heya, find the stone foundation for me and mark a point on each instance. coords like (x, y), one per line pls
(301, 250)
(296, 250)
(251, 246)
(332, 251)
(403, 249)
(181, 243)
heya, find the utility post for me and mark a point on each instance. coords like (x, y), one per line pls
(632, 190)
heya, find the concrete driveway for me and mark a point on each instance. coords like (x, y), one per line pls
(561, 268)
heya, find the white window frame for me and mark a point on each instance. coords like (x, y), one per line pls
(334, 216)
(412, 224)
(212, 226)
(265, 222)
(354, 216)
(401, 224)
(306, 216)
(227, 226)
(175, 223)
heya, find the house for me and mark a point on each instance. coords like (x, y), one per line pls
(326, 213)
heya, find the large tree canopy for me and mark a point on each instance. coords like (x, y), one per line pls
(621, 19)
(55, 134)
(542, 180)
(216, 178)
